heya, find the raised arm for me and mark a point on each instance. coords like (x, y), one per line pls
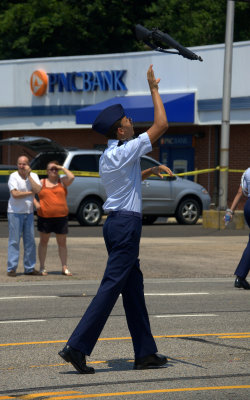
(35, 186)
(160, 124)
(157, 170)
(68, 179)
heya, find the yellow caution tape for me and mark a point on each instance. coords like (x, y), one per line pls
(85, 173)
(206, 171)
(44, 172)
(6, 172)
(237, 170)
(96, 174)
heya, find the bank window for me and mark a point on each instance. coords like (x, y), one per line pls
(85, 162)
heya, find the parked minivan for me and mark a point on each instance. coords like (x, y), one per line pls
(169, 197)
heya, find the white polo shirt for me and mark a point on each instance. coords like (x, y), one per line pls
(22, 205)
(120, 173)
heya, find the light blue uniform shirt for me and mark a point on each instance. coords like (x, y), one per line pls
(120, 173)
(245, 182)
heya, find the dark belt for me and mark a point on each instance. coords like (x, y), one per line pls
(124, 212)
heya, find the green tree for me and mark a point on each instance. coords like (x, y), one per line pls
(50, 28)
(197, 23)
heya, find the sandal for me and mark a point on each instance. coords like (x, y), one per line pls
(66, 272)
(43, 272)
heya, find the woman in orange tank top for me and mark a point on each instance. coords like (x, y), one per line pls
(52, 211)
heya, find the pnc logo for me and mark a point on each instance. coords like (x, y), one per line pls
(84, 81)
(38, 82)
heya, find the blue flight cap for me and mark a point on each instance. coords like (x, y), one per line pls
(107, 118)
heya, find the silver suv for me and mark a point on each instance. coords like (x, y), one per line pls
(169, 197)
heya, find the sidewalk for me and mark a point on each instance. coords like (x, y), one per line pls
(161, 257)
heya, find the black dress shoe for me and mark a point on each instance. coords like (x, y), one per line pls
(241, 283)
(77, 359)
(153, 360)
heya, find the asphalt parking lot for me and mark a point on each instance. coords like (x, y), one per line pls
(199, 320)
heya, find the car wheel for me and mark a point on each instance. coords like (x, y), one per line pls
(188, 212)
(90, 212)
(149, 219)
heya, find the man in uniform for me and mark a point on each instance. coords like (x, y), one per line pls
(121, 176)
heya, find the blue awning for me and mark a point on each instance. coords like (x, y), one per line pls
(179, 108)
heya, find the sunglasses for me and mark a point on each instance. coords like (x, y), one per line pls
(53, 169)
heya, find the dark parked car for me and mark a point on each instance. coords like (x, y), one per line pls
(170, 197)
(4, 190)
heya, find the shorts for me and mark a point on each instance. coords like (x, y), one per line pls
(57, 225)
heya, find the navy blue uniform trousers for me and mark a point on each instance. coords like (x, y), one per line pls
(244, 264)
(122, 232)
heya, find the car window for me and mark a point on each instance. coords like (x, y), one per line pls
(84, 162)
(147, 163)
(41, 161)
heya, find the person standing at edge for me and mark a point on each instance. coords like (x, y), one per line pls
(121, 176)
(23, 185)
(52, 213)
(244, 264)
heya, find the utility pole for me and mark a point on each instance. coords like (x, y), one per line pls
(225, 125)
